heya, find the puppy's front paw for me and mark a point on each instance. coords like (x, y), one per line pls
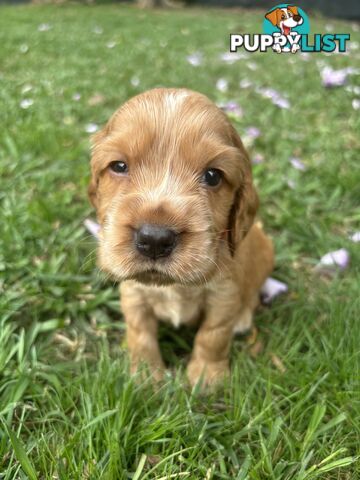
(208, 373)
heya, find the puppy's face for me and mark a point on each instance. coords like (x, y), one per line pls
(172, 186)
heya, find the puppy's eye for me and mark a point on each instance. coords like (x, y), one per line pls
(282, 17)
(212, 177)
(118, 167)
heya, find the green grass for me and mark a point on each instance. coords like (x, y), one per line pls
(68, 408)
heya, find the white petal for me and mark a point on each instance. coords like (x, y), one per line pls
(26, 103)
(222, 85)
(355, 237)
(91, 128)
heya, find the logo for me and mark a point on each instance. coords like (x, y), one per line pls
(286, 29)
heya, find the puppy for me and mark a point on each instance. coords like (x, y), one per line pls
(172, 186)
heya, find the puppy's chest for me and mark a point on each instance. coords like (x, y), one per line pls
(176, 304)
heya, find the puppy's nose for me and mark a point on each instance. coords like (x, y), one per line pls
(155, 241)
(297, 18)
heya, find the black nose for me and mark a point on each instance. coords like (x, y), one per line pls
(297, 18)
(155, 241)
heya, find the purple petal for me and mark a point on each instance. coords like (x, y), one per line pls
(337, 258)
(334, 78)
(297, 164)
(281, 102)
(252, 132)
(257, 159)
(231, 108)
(92, 227)
(271, 289)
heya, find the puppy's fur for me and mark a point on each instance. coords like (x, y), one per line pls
(168, 138)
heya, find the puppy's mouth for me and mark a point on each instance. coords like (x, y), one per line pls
(153, 276)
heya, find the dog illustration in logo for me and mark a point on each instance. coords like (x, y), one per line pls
(285, 19)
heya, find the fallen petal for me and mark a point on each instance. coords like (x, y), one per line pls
(91, 128)
(44, 27)
(26, 103)
(222, 85)
(338, 258)
(92, 227)
(24, 48)
(356, 104)
(252, 132)
(271, 289)
(245, 83)
(355, 237)
(257, 159)
(231, 108)
(26, 88)
(232, 57)
(252, 66)
(291, 184)
(195, 59)
(336, 78)
(76, 97)
(297, 164)
(135, 81)
(281, 102)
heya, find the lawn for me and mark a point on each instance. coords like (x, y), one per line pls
(68, 408)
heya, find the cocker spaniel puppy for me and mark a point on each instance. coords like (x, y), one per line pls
(172, 186)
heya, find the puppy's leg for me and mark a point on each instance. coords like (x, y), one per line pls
(141, 332)
(210, 357)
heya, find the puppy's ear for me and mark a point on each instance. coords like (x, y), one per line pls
(293, 9)
(245, 202)
(272, 16)
(95, 141)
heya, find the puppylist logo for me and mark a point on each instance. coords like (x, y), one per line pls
(287, 29)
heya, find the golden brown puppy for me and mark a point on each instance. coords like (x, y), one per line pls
(173, 190)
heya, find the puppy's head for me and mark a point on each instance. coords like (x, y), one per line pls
(172, 186)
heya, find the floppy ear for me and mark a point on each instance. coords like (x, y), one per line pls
(94, 180)
(272, 16)
(245, 202)
(293, 9)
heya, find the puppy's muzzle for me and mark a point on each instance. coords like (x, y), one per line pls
(155, 241)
